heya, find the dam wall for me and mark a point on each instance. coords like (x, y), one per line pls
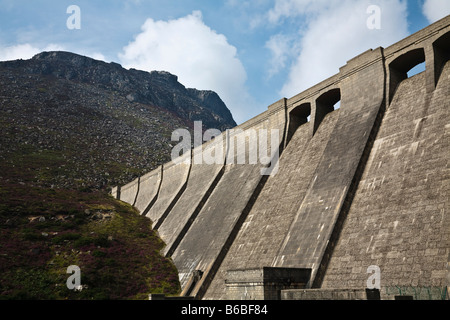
(358, 188)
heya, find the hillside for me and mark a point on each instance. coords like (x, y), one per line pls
(103, 124)
(70, 128)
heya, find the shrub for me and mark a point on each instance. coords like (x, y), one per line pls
(70, 236)
(83, 241)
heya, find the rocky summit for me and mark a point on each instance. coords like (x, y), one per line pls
(96, 122)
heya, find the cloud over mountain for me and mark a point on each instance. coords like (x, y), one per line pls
(200, 57)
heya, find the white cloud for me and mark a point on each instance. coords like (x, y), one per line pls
(282, 48)
(436, 9)
(335, 32)
(198, 55)
(293, 8)
(27, 51)
(24, 51)
(96, 56)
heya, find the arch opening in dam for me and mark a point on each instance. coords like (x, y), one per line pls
(326, 103)
(297, 117)
(399, 68)
(441, 53)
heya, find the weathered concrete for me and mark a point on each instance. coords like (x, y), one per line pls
(323, 294)
(149, 185)
(129, 192)
(264, 283)
(270, 218)
(202, 180)
(364, 185)
(206, 242)
(397, 219)
(305, 244)
(174, 179)
(211, 234)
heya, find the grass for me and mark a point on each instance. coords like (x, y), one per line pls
(44, 230)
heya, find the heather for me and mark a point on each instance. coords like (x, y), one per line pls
(116, 249)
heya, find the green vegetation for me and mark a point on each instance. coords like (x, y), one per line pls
(44, 230)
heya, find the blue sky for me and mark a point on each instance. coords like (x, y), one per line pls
(252, 53)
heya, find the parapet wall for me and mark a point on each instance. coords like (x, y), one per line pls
(365, 184)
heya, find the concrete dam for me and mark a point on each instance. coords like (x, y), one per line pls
(358, 207)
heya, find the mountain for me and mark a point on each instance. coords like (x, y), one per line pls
(103, 125)
(70, 128)
(157, 88)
